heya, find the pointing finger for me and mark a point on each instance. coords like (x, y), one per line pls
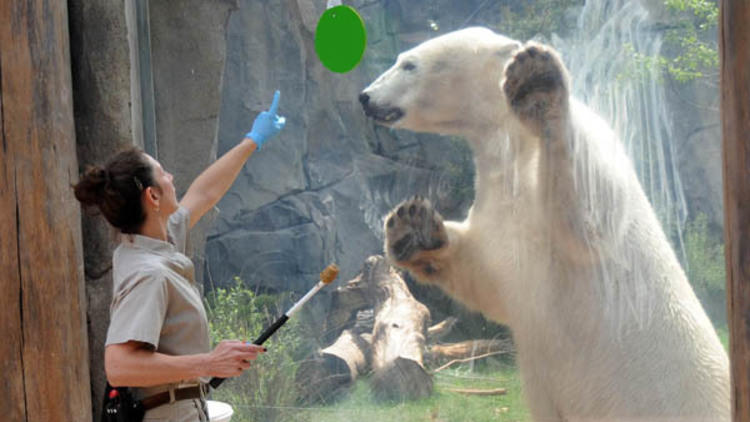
(275, 103)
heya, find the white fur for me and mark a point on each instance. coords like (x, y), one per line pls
(605, 322)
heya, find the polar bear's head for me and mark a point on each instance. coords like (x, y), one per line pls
(448, 85)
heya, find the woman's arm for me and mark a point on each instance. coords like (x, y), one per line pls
(211, 185)
(132, 364)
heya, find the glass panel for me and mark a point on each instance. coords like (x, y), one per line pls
(551, 237)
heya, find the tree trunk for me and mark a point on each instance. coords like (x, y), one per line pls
(42, 313)
(398, 336)
(734, 43)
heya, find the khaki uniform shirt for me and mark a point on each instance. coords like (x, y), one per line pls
(155, 298)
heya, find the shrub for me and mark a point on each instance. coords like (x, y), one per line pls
(267, 388)
(705, 267)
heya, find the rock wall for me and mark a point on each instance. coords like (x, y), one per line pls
(187, 41)
(331, 174)
(188, 50)
(318, 193)
(106, 119)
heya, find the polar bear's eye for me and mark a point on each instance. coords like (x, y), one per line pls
(408, 66)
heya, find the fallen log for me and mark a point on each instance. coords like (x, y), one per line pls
(384, 332)
(398, 340)
(441, 329)
(469, 348)
(478, 391)
(334, 369)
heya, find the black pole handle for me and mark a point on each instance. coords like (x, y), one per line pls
(216, 381)
(270, 330)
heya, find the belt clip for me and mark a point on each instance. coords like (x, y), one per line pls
(172, 398)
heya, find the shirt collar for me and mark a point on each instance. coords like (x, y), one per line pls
(148, 243)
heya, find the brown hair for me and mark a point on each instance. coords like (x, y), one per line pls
(116, 189)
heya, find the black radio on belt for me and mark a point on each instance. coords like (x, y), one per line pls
(121, 406)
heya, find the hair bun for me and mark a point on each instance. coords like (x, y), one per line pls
(116, 188)
(91, 188)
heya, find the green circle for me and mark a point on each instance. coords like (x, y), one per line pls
(340, 39)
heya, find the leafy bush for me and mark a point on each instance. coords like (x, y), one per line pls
(264, 390)
(705, 267)
(691, 39)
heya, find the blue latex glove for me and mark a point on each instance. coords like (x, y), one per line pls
(267, 124)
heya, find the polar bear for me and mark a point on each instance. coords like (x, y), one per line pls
(560, 244)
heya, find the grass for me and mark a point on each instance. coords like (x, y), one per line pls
(443, 405)
(268, 391)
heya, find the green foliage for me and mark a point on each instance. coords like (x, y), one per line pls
(706, 268)
(697, 59)
(705, 255)
(641, 66)
(705, 11)
(237, 313)
(690, 38)
(526, 19)
(267, 391)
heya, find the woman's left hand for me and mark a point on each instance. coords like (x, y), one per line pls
(267, 124)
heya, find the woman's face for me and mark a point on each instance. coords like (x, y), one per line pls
(168, 197)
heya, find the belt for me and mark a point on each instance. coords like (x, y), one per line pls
(159, 399)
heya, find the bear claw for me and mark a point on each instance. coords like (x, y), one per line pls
(535, 84)
(412, 227)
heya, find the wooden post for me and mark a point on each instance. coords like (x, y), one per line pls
(44, 343)
(11, 366)
(734, 42)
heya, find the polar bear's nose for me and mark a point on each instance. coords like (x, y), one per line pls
(364, 99)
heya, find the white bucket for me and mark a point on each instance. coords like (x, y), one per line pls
(219, 411)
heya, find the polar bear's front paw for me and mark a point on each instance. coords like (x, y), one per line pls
(413, 227)
(536, 86)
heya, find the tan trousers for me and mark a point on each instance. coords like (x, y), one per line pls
(179, 411)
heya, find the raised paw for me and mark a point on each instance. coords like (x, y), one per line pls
(412, 227)
(536, 86)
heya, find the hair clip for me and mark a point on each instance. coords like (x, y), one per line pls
(138, 183)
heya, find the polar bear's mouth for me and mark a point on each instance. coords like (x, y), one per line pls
(383, 115)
